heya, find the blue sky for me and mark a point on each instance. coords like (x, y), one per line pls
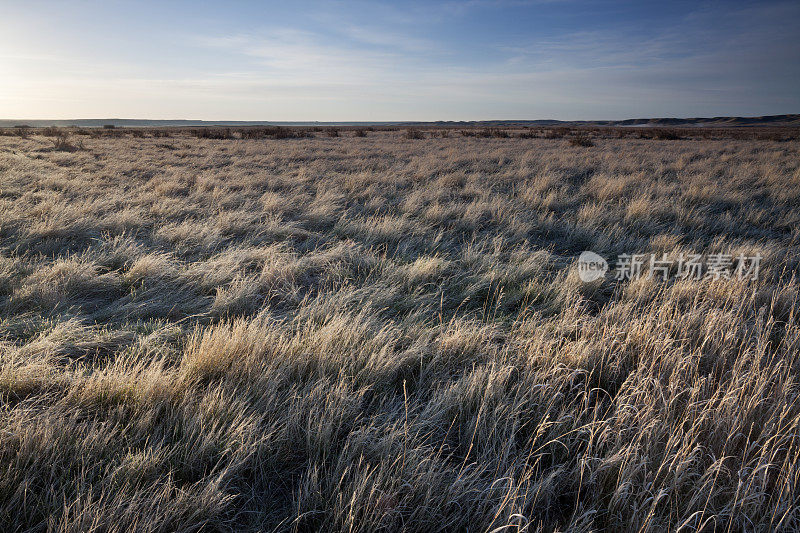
(338, 61)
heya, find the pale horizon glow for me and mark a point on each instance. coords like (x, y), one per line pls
(373, 61)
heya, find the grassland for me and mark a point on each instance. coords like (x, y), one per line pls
(379, 333)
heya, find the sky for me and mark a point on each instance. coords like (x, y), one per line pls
(386, 61)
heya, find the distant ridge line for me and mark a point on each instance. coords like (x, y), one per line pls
(790, 120)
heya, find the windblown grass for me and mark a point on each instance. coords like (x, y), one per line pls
(382, 333)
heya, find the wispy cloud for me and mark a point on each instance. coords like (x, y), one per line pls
(392, 40)
(339, 65)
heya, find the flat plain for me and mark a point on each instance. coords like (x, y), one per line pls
(386, 332)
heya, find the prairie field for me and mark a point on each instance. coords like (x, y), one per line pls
(386, 332)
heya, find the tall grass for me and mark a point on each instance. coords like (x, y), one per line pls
(374, 334)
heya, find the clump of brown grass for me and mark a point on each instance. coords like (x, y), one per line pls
(213, 133)
(61, 142)
(581, 139)
(272, 132)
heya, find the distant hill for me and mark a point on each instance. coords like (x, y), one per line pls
(718, 122)
(146, 123)
(771, 120)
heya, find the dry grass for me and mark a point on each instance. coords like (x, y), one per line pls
(378, 333)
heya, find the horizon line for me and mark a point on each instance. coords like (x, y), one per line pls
(402, 121)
